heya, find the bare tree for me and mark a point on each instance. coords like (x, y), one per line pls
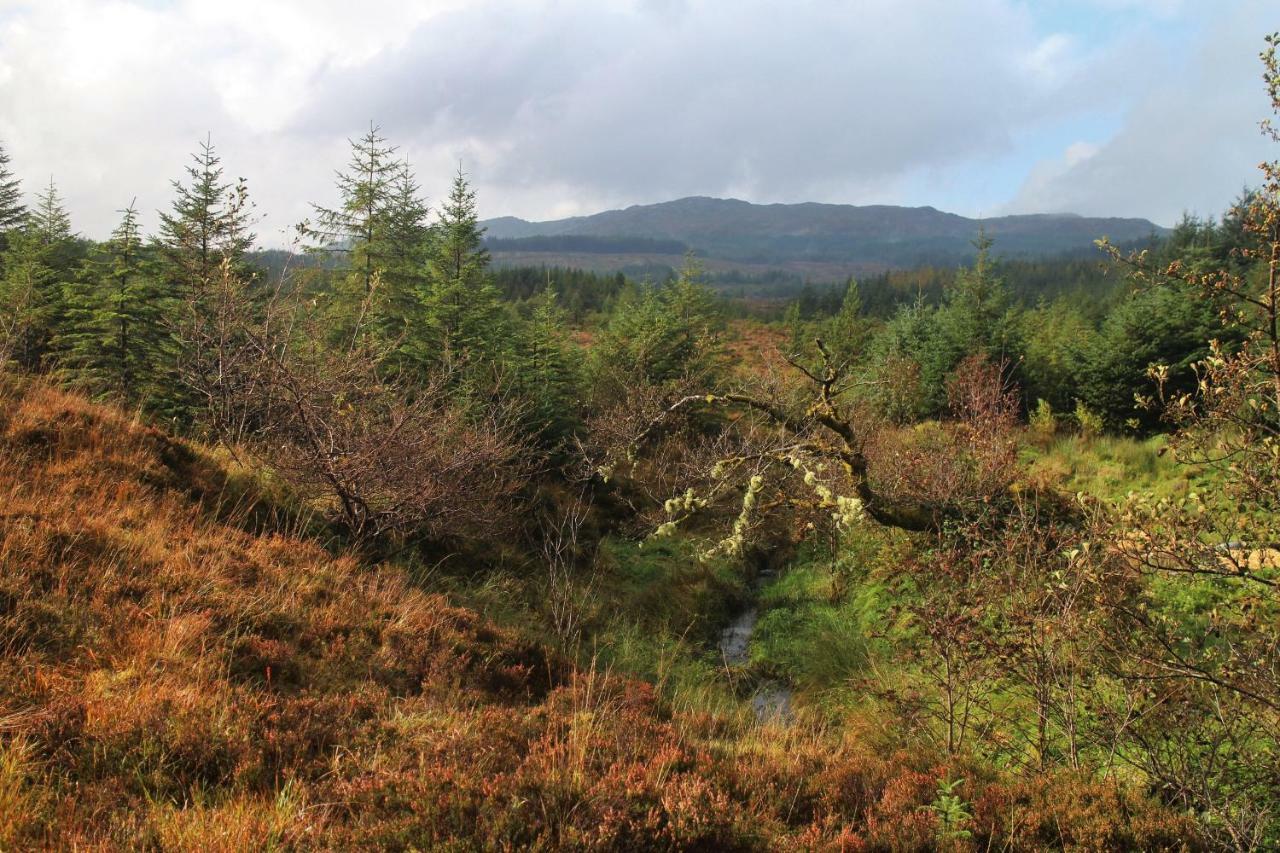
(391, 457)
(386, 456)
(223, 331)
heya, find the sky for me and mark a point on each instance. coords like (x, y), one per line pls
(1143, 108)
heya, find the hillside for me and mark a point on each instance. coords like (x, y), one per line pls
(826, 238)
(179, 671)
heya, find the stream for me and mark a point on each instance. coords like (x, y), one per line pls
(771, 700)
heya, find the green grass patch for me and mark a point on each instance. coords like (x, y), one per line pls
(816, 624)
(664, 586)
(661, 613)
(1109, 467)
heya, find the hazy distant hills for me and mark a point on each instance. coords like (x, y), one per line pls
(810, 238)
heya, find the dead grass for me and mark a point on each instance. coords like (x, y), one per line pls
(176, 673)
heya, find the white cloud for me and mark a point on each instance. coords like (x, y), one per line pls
(1051, 59)
(1189, 144)
(1166, 8)
(566, 106)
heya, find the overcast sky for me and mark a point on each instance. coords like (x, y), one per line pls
(559, 107)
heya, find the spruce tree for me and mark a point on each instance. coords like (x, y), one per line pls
(207, 226)
(690, 299)
(547, 370)
(115, 335)
(461, 312)
(357, 229)
(49, 218)
(12, 211)
(795, 328)
(1059, 338)
(661, 334)
(209, 222)
(978, 317)
(978, 303)
(408, 238)
(25, 288)
(848, 332)
(896, 356)
(36, 265)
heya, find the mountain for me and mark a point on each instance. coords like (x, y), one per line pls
(794, 236)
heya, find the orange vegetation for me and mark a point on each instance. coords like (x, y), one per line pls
(176, 673)
(755, 349)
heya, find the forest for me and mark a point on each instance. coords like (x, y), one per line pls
(367, 544)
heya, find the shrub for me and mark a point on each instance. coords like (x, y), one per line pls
(1088, 421)
(1043, 422)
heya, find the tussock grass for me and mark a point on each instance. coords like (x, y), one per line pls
(19, 797)
(1110, 466)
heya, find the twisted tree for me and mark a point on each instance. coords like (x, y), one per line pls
(807, 446)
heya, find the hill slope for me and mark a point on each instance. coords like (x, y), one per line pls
(876, 236)
(171, 679)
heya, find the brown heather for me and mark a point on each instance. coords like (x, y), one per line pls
(177, 674)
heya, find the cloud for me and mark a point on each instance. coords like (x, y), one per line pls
(1157, 7)
(614, 103)
(573, 105)
(1190, 144)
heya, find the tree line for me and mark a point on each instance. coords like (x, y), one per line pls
(384, 367)
(1078, 347)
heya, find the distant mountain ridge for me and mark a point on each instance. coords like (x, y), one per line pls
(870, 236)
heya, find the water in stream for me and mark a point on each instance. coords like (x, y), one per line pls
(736, 639)
(771, 701)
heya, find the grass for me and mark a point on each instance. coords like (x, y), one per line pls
(661, 610)
(184, 667)
(19, 798)
(1109, 467)
(824, 620)
(805, 637)
(664, 586)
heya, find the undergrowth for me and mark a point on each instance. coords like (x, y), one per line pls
(184, 667)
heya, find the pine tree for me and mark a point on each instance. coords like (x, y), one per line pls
(210, 221)
(12, 211)
(36, 265)
(115, 335)
(461, 312)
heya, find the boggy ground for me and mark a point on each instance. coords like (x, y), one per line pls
(179, 671)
